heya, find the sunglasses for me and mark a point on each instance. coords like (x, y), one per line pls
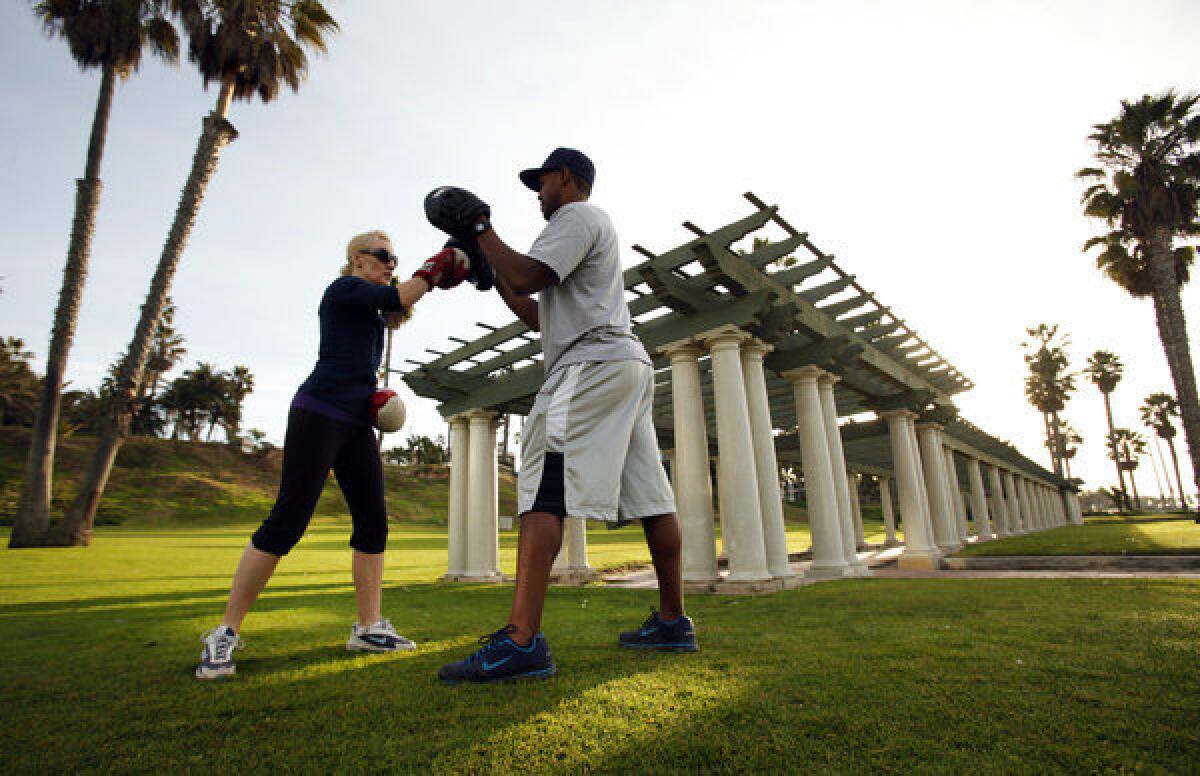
(383, 255)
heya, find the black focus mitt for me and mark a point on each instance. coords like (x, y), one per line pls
(455, 211)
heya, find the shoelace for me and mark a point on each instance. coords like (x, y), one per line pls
(653, 620)
(385, 625)
(224, 646)
(491, 640)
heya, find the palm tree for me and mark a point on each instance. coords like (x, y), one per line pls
(1157, 411)
(1105, 370)
(1048, 385)
(166, 350)
(249, 47)
(110, 35)
(1068, 440)
(1127, 447)
(1145, 188)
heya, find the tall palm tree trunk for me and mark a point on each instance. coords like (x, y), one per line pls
(1137, 500)
(33, 512)
(1172, 330)
(1050, 442)
(217, 132)
(1183, 502)
(1112, 443)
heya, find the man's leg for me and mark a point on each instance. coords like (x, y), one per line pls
(665, 542)
(537, 546)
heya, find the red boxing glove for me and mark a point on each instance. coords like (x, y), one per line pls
(445, 269)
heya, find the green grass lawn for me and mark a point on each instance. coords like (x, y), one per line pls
(1137, 535)
(850, 676)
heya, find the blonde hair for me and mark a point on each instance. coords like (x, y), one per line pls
(359, 242)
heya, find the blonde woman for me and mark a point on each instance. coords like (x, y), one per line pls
(328, 428)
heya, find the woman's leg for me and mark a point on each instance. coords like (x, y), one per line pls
(359, 472)
(309, 447)
(367, 570)
(253, 571)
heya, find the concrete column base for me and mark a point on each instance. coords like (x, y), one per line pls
(475, 578)
(747, 587)
(889, 543)
(573, 577)
(922, 562)
(826, 572)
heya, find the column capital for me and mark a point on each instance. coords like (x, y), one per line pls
(727, 337)
(682, 350)
(929, 426)
(461, 418)
(756, 348)
(897, 414)
(479, 414)
(829, 378)
(803, 374)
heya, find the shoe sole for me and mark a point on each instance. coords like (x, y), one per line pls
(663, 647)
(372, 648)
(544, 673)
(220, 673)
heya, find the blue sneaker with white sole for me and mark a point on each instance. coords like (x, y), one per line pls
(502, 659)
(678, 635)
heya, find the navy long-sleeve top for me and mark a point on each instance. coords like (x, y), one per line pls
(351, 346)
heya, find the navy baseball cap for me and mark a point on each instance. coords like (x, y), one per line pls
(575, 161)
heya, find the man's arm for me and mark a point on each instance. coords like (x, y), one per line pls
(522, 275)
(522, 306)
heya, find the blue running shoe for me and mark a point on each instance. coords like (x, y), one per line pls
(678, 635)
(502, 659)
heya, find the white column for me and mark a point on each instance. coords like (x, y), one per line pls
(828, 560)
(575, 529)
(1044, 506)
(1015, 516)
(837, 459)
(889, 514)
(736, 471)
(933, 460)
(1060, 499)
(1000, 513)
(1076, 509)
(919, 550)
(456, 519)
(956, 497)
(860, 537)
(693, 485)
(493, 514)
(482, 530)
(770, 500)
(1028, 508)
(979, 506)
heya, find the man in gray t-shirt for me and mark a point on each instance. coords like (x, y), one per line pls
(589, 447)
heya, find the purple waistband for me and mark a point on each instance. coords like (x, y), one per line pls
(305, 402)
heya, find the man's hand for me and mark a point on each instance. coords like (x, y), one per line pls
(481, 275)
(455, 211)
(445, 269)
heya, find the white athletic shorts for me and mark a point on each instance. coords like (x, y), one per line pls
(589, 447)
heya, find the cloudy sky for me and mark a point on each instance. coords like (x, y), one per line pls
(930, 145)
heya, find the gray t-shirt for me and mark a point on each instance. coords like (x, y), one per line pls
(584, 317)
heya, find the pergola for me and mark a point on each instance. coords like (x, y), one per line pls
(761, 342)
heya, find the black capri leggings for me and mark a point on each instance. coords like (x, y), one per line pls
(313, 444)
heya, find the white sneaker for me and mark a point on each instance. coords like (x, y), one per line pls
(216, 661)
(378, 637)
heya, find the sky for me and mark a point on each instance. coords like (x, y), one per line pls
(930, 145)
